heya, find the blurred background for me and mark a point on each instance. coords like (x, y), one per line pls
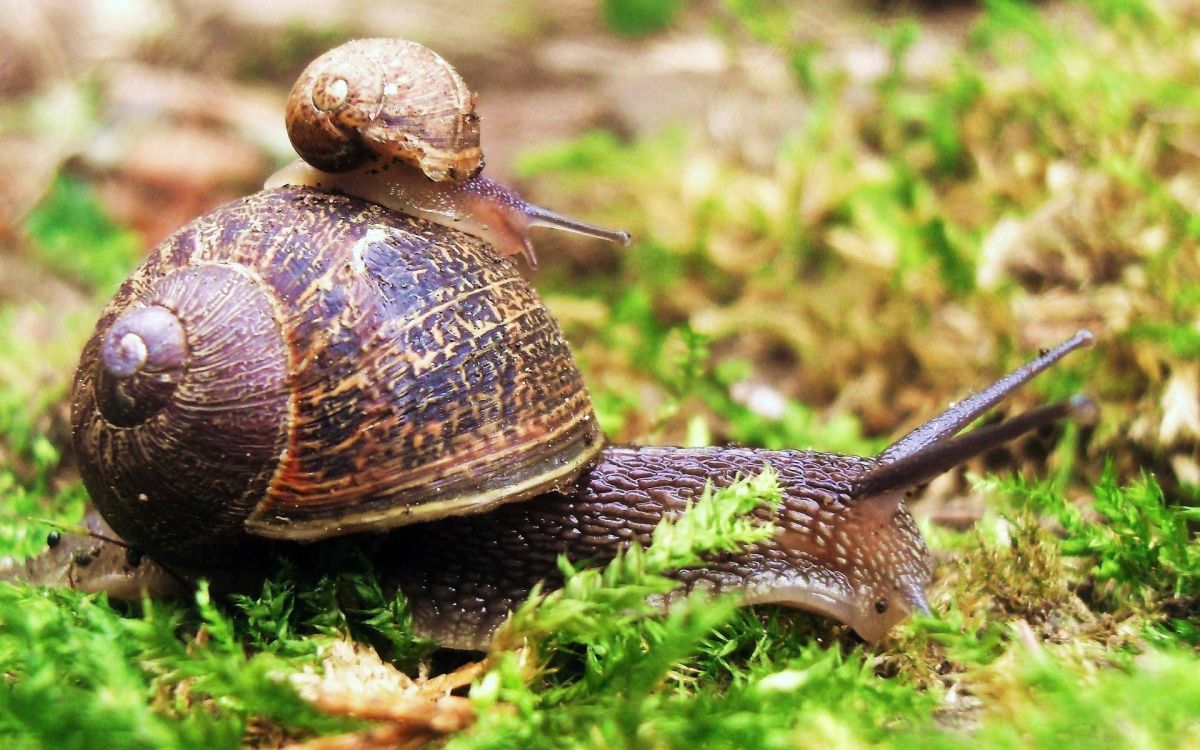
(846, 215)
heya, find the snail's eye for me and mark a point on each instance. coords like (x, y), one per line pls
(53, 538)
(881, 606)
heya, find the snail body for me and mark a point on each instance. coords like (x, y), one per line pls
(859, 561)
(845, 545)
(478, 206)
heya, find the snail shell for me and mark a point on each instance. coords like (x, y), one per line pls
(363, 113)
(383, 99)
(299, 365)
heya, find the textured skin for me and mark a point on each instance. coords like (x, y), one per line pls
(846, 558)
(478, 206)
(385, 98)
(349, 369)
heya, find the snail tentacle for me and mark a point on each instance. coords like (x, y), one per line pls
(961, 414)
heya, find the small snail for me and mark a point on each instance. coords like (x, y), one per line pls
(300, 364)
(390, 121)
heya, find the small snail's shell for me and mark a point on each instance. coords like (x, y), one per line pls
(299, 365)
(382, 99)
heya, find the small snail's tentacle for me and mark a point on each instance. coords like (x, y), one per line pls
(91, 558)
(961, 414)
(541, 217)
(479, 206)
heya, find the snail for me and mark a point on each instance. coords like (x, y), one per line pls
(392, 122)
(302, 364)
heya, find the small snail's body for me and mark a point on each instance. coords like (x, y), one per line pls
(92, 559)
(478, 206)
(391, 122)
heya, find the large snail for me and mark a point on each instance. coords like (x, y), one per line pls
(300, 364)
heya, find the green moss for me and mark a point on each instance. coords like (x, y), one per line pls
(1143, 554)
(333, 593)
(78, 674)
(76, 239)
(1153, 702)
(636, 17)
(27, 515)
(856, 282)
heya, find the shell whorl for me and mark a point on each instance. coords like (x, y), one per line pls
(142, 358)
(383, 99)
(149, 339)
(189, 384)
(345, 369)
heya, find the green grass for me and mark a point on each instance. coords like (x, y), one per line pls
(894, 255)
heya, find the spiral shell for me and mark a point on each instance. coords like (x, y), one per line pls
(383, 99)
(299, 365)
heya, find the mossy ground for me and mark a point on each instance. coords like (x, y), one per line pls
(913, 236)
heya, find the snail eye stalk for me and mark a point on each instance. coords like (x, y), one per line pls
(932, 449)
